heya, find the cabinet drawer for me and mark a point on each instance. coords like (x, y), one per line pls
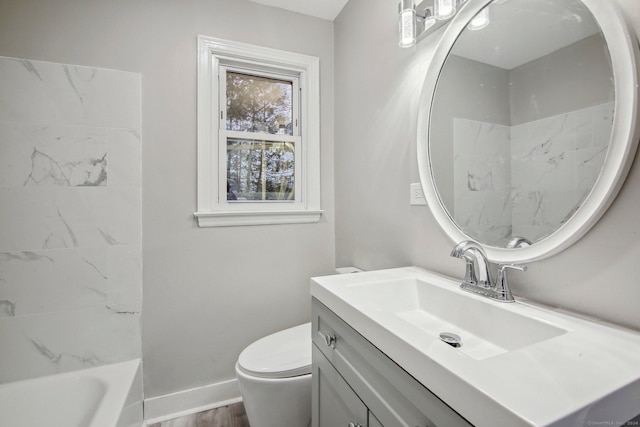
(394, 396)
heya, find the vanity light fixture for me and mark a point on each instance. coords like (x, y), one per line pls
(411, 23)
(415, 22)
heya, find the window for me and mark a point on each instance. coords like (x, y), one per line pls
(259, 122)
(258, 135)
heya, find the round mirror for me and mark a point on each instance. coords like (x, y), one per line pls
(528, 123)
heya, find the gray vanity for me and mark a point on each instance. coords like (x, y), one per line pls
(355, 384)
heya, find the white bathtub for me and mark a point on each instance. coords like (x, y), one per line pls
(106, 396)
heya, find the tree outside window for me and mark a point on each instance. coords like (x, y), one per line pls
(259, 169)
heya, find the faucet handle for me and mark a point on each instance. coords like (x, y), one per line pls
(502, 286)
(503, 267)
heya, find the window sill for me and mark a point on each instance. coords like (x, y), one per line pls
(237, 218)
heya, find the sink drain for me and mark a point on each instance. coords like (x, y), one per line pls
(452, 339)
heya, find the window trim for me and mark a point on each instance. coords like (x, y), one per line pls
(212, 52)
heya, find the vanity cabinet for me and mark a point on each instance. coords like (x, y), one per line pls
(355, 384)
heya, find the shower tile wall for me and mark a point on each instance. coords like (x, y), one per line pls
(70, 217)
(530, 176)
(482, 179)
(555, 162)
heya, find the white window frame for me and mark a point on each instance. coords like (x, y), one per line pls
(213, 209)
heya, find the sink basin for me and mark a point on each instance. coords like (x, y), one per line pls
(516, 364)
(485, 329)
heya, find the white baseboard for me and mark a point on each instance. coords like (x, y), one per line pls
(186, 402)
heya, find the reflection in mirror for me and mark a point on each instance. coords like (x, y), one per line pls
(521, 120)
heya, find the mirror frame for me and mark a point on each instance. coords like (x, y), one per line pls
(623, 49)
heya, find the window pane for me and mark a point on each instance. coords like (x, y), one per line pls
(260, 170)
(259, 104)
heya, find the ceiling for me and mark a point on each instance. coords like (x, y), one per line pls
(324, 9)
(523, 30)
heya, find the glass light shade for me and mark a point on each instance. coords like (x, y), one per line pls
(428, 20)
(407, 23)
(479, 21)
(444, 9)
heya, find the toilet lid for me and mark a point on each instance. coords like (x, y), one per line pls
(281, 355)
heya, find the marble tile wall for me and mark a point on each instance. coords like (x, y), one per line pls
(482, 179)
(555, 162)
(526, 180)
(70, 217)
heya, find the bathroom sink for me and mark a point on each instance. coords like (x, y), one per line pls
(483, 329)
(495, 363)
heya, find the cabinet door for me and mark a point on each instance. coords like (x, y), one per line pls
(334, 402)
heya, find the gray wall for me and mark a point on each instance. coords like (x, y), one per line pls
(551, 85)
(377, 89)
(207, 292)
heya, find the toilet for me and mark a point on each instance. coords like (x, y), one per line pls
(274, 375)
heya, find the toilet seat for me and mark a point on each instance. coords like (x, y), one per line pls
(284, 354)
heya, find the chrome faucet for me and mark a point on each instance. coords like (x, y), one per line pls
(518, 242)
(474, 256)
(481, 283)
